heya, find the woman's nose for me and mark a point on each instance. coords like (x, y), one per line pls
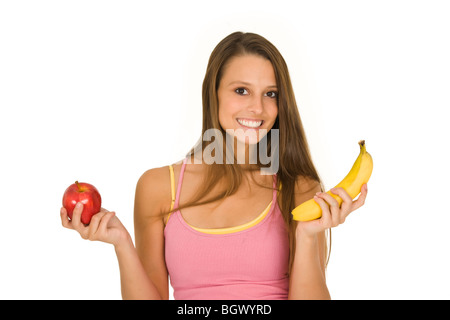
(256, 105)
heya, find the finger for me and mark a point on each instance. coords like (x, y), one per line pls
(336, 215)
(326, 215)
(343, 195)
(76, 221)
(104, 222)
(332, 202)
(347, 201)
(93, 225)
(65, 219)
(76, 215)
(364, 188)
(361, 199)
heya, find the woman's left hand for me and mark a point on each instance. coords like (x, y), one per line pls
(332, 214)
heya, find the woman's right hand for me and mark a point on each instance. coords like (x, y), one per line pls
(104, 226)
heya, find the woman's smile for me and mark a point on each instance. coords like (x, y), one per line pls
(249, 123)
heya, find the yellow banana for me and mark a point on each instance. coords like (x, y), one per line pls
(352, 183)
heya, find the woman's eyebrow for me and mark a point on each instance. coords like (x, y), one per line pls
(247, 84)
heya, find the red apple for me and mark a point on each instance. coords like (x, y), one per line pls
(85, 193)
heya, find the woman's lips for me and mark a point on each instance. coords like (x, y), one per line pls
(249, 123)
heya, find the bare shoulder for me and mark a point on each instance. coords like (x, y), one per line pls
(153, 192)
(305, 189)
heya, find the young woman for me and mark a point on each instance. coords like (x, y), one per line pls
(223, 229)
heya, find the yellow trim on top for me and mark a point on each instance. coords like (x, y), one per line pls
(172, 185)
(237, 228)
(218, 230)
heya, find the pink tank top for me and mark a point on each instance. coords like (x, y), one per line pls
(242, 263)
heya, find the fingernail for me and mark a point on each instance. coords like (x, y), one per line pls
(79, 204)
(318, 193)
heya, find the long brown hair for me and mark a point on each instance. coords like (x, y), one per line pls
(294, 155)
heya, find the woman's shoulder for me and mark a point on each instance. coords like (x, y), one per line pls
(157, 175)
(305, 189)
(306, 184)
(154, 186)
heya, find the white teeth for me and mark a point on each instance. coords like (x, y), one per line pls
(250, 124)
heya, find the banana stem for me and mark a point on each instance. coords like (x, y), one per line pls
(362, 145)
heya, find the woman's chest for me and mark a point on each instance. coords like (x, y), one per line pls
(247, 204)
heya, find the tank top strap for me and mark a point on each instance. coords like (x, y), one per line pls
(275, 189)
(180, 181)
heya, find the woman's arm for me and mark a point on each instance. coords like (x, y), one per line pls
(307, 277)
(308, 270)
(307, 280)
(143, 274)
(143, 270)
(153, 197)
(106, 227)
(134, 281)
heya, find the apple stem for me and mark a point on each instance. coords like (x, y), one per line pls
(78, 185)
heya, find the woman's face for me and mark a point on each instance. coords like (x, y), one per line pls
(248, 97)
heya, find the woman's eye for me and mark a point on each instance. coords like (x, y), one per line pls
(272, 94)
(241, 91)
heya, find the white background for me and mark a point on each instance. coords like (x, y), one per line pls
(101, 91)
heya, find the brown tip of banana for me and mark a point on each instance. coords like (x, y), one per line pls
(362, 146)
